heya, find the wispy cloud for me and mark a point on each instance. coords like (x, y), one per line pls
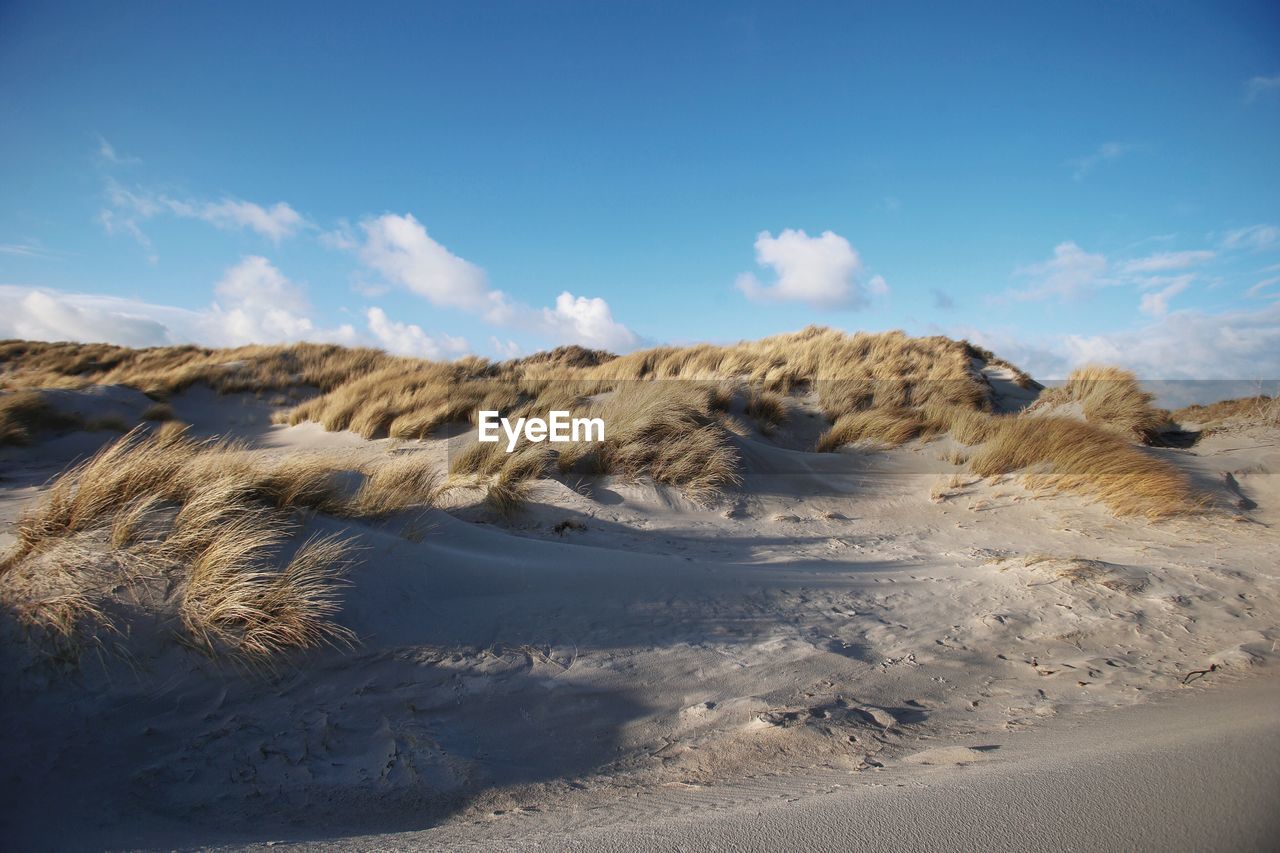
(128, 207)
(1107, 152)
(108, 153)
(27, 249)
(1256, 87)
(1165, 261)
(1252, 237)
(821, 271)
(1073, 273)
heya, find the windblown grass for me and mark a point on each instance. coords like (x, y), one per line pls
(667, 410)
(1110, 398)
(24, 415)
(1067, 455)
(159, 510)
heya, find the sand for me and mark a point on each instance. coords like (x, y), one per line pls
(701, 676)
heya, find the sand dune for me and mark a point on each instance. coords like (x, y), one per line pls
(620, 657)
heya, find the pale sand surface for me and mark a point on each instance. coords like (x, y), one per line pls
(1199, 772)
(672, 670)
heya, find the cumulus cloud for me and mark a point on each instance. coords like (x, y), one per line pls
(254, 303)
(1106, 153)
(47, 315)
(257, 304)
(818, 271)
(577, 319)
(399, 249)
(1070, 274)
(410, 339)
(1253, 237)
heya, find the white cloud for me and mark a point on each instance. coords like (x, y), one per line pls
(1191, 345)
(1258, 86)
(409, 339)
(401, 251)
(1253, 237)
(399, 248)
(1106, 153)
(504, 349)
(127, 208)
(1156, 303)
(1187, 344)
(275, 223)
(818, 271)
(586, 321)
(1165, 261)
(1069, 274)
(46, 315)
(256, 304)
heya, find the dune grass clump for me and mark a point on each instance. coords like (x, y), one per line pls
(888, 427)
(1067, 455)
(158, 510)
(767, 408)
(668, 433)
(394, 485)
(25, 415)
(1112, 399)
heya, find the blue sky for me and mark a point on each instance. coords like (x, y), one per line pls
(1061, 182)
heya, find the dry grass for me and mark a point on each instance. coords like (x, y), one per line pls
(161, 510)
(1110, 398)
(1067, 455)
(158, 412)
(25, 415)
(1261, 409)
(394, 485)
(888, 427)
(666, 409)
(164, 370)
(767, 408)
